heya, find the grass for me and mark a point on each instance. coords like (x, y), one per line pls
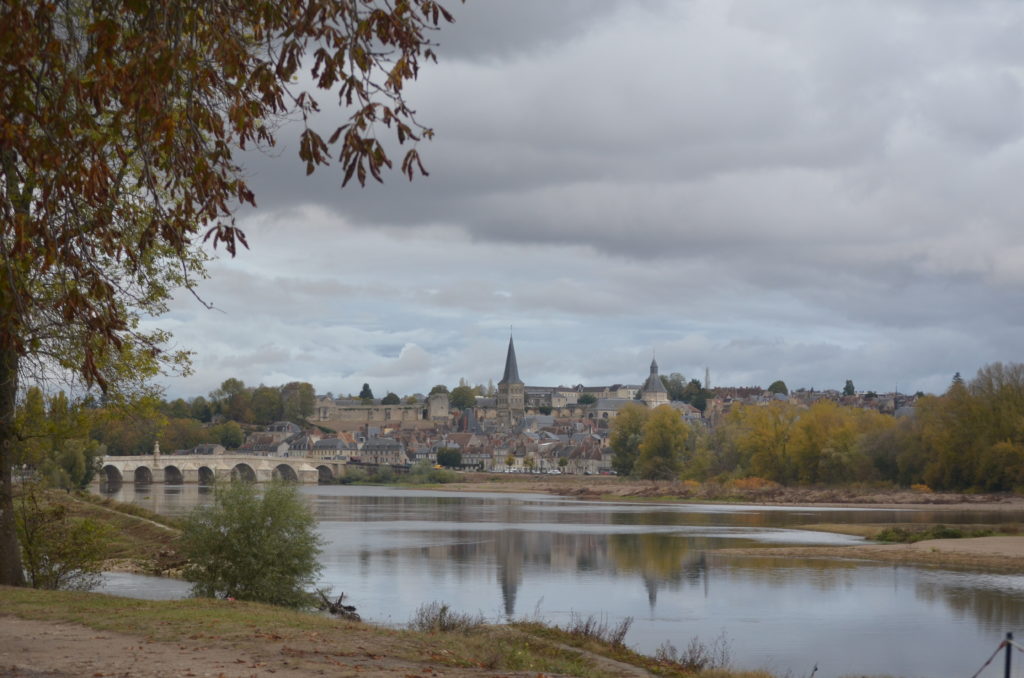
(663, 664)
(910, 535)
(146, 539)
(587, 647)
(262, 629)
(437, 617)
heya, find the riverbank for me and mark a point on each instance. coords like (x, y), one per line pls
(1004, 554)
(750, 491)
(60, 634)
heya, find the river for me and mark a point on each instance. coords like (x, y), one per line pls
(515, 556)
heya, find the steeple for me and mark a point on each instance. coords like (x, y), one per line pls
(511, 368)
(653, 383)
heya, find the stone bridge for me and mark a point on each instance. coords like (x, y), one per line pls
(174, 469)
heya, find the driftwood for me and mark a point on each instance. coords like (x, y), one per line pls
(335, 607)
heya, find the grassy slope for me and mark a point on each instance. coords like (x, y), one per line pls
(316, 641)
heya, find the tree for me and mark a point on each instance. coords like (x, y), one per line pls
(117, 162)
(54, 440)
(586, 399)
(675, 384)
(254, 547)
(625, 436)
(60, 552)
(778, 386)
(298, 400)
(462, 397)
(449, 457)
(200, 409)
(366, 394)
(229, 434)
(266, 405)
(391, 399)
(440, 388)
(848, 389)
(663, 442)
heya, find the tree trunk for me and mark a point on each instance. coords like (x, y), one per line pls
(11, 571)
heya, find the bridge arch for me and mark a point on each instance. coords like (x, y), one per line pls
(324, 474)
(206, 475)
(286, 473)
(143, 475)
(111, 474)
(243, 472)
(173, 475)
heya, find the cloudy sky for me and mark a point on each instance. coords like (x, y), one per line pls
(772, 189)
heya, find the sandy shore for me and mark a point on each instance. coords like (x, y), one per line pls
(992, 554)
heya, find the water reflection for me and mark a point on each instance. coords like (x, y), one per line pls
(511, 556)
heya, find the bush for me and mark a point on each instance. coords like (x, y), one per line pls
(252, 547)
(58, 551)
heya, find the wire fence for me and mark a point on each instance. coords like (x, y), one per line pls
(1007, 646)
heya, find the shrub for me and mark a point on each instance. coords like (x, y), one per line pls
(253, 547)
(58, 551)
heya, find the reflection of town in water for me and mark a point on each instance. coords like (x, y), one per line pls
(514, 557)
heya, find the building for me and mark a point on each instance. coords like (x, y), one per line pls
(511, 404)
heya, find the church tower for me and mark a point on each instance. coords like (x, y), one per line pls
(653, 392)
(511, 393)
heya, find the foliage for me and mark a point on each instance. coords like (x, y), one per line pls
(586, 399)
(437, 617)
(598, 628)
(58, 552)
(848, 389)
(439, 388)
(625, 436)
(778, 386)
(663, 443)
(462, 397)
(366, 393)
(449, 457)
(424, 473)
(391, 399)
(254, 547)
(117, 161)
(698, 656)
(675, 385)
(901, 535)
(53, 440)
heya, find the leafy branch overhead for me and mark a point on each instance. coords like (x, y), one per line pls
(120, 121)
(119, 125)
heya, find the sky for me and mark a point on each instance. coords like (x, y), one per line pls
(767, 189)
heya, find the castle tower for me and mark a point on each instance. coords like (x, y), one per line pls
(511, 403)
(653, 392)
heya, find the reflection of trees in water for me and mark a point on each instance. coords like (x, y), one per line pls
(659, 559)
(995, 608)
(821, 574)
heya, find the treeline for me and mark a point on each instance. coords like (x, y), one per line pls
(260, 405)
(971, 438)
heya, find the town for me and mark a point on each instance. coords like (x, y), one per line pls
(518, 429)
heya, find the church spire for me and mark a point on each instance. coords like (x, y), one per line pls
(511, 368)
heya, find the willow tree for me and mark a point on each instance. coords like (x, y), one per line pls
(119, 125)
